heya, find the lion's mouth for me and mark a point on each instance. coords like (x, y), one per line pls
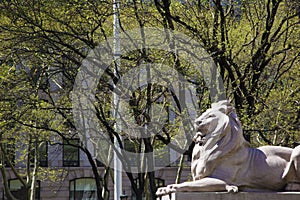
(202, 142)
(199, 139)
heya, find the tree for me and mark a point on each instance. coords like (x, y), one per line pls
(46, 41)
(21, 145)
(254, 44)
(252, 50)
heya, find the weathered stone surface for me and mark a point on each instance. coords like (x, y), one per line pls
(223, 160)
(232, 196)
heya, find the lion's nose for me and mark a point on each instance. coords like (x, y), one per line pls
(198, 122)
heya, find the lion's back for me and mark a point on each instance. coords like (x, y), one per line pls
(276, 151)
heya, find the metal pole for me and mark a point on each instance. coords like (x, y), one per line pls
(117, 162)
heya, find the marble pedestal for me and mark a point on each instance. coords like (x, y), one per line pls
(232, 196)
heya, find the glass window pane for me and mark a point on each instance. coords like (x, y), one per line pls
(161, 154)
(43, 154)
(9, 149)
(71, 153)
(132, 146)
(15, 185)
(83, 189)
(19, 191)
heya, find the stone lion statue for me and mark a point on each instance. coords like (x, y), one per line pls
(223, 160)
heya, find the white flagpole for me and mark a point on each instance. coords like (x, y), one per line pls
(117, 162)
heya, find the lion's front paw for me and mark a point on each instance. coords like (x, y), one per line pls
(166, 190)
(232, 188)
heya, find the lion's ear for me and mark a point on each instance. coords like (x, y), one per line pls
(229, 110)
(226, 109)
(223, 106)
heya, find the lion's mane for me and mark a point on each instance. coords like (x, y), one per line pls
(230, 139)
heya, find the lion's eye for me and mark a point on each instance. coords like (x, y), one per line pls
(211, 115)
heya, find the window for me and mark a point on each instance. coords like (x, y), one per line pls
(71, 153)
(131, 147)
(158, 183)
(136, 181)
(99, 163)
(83, 189)
(18, 190)
(8, 152)
(161, 154)
(42, 154)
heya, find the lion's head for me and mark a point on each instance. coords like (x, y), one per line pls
(210, 126)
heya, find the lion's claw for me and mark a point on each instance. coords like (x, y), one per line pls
(232, 188)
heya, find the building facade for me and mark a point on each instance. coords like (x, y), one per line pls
(65, 174)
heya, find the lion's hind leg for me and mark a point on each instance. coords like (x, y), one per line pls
(292, 172)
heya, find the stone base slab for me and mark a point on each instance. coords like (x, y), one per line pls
(232, 196)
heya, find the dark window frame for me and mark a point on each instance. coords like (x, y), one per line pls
(23, 196)
(42, 159)
(129, 147)
(159, 182)
(68, 144)
(9, 147)
(163, 158)
(73, 197)
(44, 162)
